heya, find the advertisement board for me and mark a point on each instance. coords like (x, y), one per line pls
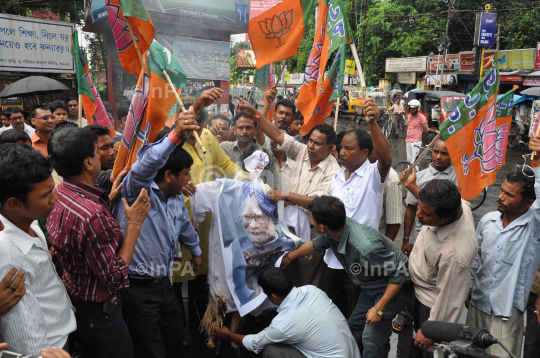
(245, 58)
(511, 79)
(466, 60)
(451, 63)
(516, 59)
(203, 59)
(537, 57)
(257, 7)
(408, 78)
(432, 80)
(408, 64)
(230, 11)
(531, 81)
(35, 45)
(486, 33)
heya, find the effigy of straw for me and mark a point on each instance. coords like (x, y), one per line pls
(213, 319)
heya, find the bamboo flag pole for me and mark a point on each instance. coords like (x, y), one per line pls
(80, 110)
(336, 117)
(195, 134)
(420, 157)
(360, 70)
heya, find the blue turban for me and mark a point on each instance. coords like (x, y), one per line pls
(266, 205)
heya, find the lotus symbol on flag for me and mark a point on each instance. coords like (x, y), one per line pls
(277, 26)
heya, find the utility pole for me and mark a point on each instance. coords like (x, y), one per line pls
(364, 34)
(446, 42)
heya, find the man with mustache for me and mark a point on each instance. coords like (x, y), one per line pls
(245, 129)
(508, 258)
(222, 125)
(15, 116)
(360, 185)
(42, 119)
(441, 168)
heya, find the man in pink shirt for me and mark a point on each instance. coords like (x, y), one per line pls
(417, 125)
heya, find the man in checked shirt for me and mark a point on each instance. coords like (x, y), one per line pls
(94, 253)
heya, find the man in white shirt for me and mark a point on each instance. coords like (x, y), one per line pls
(308, 324)
(283, 165)
(44, 316)
(73, 111)
(16, 121)
(359, 184)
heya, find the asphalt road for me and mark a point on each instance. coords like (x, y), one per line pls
(399, 343)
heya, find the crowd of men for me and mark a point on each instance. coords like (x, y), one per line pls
(80, 250)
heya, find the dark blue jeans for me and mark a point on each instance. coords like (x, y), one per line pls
(532, 335)
(421, 314)
(100, 334)
(374, 338)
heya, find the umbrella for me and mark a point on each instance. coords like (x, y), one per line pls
(533, 91)
(33, 85)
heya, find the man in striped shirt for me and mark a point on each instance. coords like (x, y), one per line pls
(94, 253)
(44, 316)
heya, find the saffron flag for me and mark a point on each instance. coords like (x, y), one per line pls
(331, 32)
(133, 11)
(149, 109)
(471, 135)
(276, 33)
(91, 101)
(504, 121)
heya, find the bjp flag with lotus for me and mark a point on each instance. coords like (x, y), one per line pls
(130, 21)
(276, 33)
(473, 137)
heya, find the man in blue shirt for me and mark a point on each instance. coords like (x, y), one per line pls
(508, 258)
(308, 324)
(151, 309)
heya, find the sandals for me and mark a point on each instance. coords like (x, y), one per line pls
(398, 324)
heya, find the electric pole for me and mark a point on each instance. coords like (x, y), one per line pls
(446, 42)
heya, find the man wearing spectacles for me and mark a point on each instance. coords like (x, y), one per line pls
(16, 121)
(508, 258)
(42, 119)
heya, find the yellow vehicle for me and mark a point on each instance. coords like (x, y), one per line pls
(356, 102)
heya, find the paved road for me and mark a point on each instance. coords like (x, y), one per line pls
(399, 343)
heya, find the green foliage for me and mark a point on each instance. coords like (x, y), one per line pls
(67, 10)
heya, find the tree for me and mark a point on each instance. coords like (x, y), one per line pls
(67, 10)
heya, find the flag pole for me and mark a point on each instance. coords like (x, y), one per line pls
(336, 117)
(80, 110)
(360, 71)
(135, 43)
(420, 157)
(195, 134)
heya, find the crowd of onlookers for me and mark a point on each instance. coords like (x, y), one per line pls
(79, 246)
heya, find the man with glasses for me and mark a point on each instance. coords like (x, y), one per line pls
(508, 258)
(42, 119)
(16, 121)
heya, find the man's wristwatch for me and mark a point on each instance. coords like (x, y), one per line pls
(379, 311)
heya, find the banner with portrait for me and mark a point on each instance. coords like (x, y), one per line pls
(246, 237)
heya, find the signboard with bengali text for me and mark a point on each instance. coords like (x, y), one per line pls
(35, 45)
(408, 64)
(203, 59)
(408, 78)
(531, 81)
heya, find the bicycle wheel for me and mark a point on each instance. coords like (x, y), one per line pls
(400, 124)
(400, 168)
(388, 128)
(479, 200)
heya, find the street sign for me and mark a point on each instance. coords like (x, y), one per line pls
(350, 67)
(486, 29)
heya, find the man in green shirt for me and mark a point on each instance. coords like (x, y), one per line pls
(372, 261)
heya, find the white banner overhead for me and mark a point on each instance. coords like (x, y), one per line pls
(35, 45)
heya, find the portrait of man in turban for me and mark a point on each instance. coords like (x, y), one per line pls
(261, 247)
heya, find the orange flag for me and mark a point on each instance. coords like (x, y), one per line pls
(132, 12)
(276, 33)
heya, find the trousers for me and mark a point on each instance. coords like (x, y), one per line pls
(532, 335)
(154, 318)
(421, 314)
(282, 351)
(340, 289)
(374, 338)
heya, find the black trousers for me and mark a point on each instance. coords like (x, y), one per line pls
(154, 318)
(340, 288)
(100, 334)
(421, 314)
(532, 335)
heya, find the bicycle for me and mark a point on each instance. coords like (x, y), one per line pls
(514, 136)
(393, 124)
(425, 163)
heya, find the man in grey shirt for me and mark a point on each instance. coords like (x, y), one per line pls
(245, 129)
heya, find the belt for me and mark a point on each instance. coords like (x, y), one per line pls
(144, 281)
